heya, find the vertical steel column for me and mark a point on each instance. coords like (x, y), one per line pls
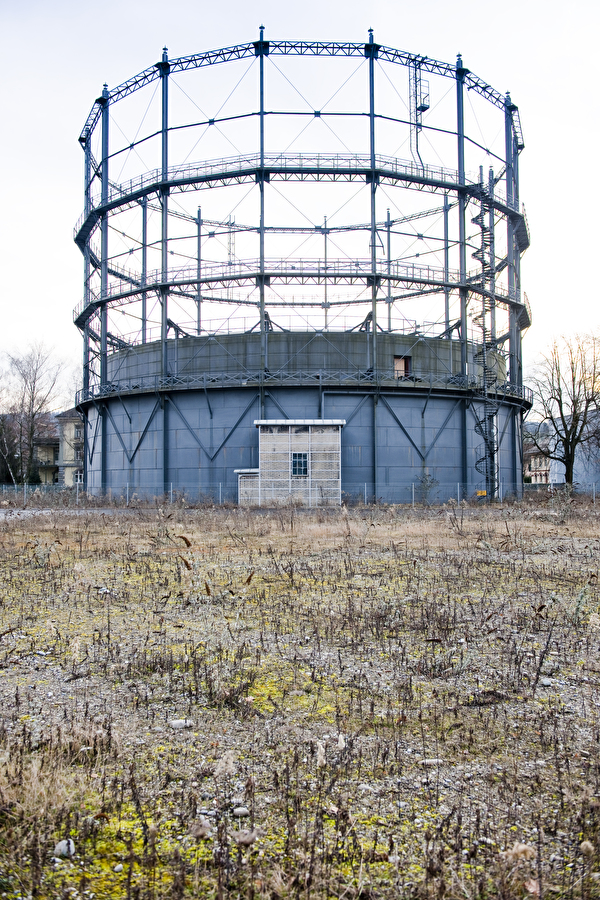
(104, 238)
(371, 52)
(325, 302)
(510, 236)
(86, 294)
(104, 288)
(86, 261)
(446, 266)
(514, 336)
(144, 267)
(462, 240)
(389, 269)
(447, 286)
(462, 207)
(517, 260)
(164, 67)
(261, 49)
(199, 273)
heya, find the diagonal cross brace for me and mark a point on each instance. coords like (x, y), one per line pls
(210, 455)
(92, 447)
(131, 456)
(441, 428)
(402, 428)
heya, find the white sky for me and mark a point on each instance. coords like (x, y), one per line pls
(57, 55)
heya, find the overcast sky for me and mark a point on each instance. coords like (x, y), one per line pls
(57, 55)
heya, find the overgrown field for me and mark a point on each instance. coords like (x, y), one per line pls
(373, 703)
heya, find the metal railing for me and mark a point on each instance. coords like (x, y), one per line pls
(358, 377)
(284, 163)
(129, 283)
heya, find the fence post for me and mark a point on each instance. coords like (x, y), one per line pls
(220, 501)
(25, 494)
(458, 492)
(171, 493)
(594, 493)
(413, 495)
(365, 493)
(127, 494)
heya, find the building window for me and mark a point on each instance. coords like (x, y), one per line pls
(300, 465)
(78, 479)
(401, 366)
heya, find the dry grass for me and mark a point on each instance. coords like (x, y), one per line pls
(365, 703)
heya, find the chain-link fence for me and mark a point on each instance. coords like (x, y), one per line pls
(423, 492)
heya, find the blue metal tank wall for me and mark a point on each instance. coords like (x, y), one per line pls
(207, 435)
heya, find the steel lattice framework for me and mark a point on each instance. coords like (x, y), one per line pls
(149, 277)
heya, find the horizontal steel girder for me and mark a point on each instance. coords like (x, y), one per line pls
(286, 167)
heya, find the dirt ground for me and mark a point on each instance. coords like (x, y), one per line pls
(376, 702)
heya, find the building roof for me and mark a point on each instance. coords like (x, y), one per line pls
(258, 422)
(72, 413)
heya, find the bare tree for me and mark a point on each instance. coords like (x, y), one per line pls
(32, 386)
(8, 460)
(566, 389)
